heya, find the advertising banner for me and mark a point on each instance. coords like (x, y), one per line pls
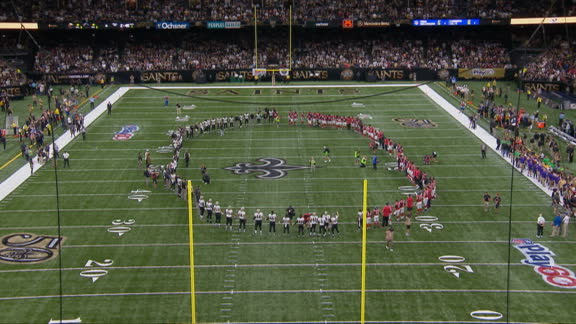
(14, 92)
(482, 73)
(172, 25)
(223, 24)
(536, 86)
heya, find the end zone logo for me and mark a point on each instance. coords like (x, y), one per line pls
(416, 123)
(28, 248)
(541, 258)
(126, 133)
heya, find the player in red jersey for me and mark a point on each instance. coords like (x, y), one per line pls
(409, 204)
(419, 200)
(386, 212)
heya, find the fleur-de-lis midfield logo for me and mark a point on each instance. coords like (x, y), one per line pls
(273, 168)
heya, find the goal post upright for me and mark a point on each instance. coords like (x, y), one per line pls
(364, 216)
(290, 40)
(191, 256)
(272, 69)
(255, 39)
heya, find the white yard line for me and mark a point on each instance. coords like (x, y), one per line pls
(331, 167)
(291, 95)
(267, 192)
(237, 243)
(310, 86)
(251, 267)
(283, 179)
(13, 228)
(310, 291)
(80, 210)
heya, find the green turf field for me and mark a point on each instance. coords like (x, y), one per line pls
(457, 263)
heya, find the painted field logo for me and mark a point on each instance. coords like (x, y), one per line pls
(28, 248)
(542, 259)
(273, 168)
(126, 133)
(416, 123)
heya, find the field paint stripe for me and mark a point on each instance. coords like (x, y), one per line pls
(275, 147)
(333, 291)
(205, 225)
(377, 322)
(327, 86)
(291, 243)
(243, 157)
(90, 209)
(266, 265)
(265, 192)
(273, 130)
(12, 211)
(290, 96)
(108, 182)
(243, 140)
(10, 161)
(331, 167)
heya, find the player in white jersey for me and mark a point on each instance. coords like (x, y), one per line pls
(258, 216)
(321, 228)
(209, 208)
(334, 224)
(272, 220)
(242, 218)
(217, 213)
(229, 213)
(300, 221)
(313, 223)
(201, 206)
(360, 218)
(286, 223)
(376, 217)
(326, 218)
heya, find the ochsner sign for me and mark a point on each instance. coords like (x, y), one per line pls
(542, 259)
(172, 25)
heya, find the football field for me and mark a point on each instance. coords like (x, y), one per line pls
(96, 243)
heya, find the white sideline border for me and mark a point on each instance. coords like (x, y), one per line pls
(22, 174)
(479, 132)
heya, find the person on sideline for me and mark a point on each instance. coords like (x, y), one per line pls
(389, 238)
(540, 226)
(556, 223)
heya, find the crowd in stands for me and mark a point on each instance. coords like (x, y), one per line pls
(555, 64)
(65, 58)
(219, 54)
(9, 75)
(274, 10)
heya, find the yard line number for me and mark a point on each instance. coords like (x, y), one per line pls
(96, 270)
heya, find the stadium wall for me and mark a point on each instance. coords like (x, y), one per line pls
(244, 75)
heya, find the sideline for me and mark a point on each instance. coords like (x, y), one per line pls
(82, 103)
(479, 132)
(22, 174)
